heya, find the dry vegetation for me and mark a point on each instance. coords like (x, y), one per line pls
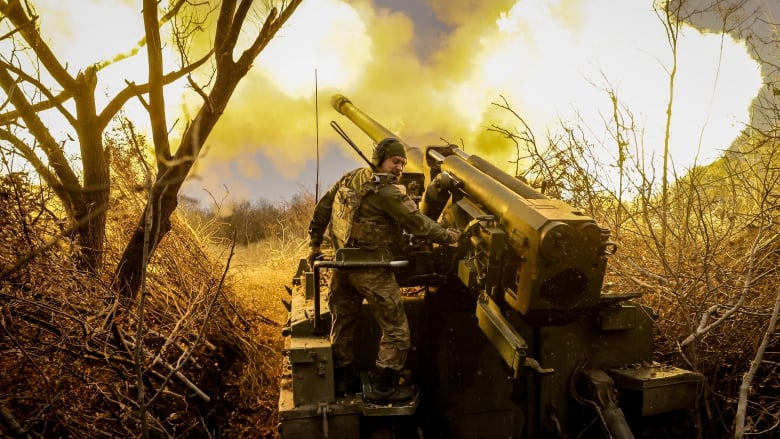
(209, 319)
(210, 355)
(210, 351)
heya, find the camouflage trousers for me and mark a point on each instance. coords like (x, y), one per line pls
(348, 288)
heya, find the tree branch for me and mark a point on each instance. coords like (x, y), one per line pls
(52, 101)
(156, 107)
(116, 104)
(747, 380)
(13, 10)
(38, 129)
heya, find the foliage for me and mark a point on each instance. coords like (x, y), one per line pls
(250, 222)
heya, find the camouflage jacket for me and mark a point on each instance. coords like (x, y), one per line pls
(382, 212)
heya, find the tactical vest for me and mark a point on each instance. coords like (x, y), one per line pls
(349, 230)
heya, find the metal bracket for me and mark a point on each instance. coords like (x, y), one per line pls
(323, 409)
(604, 403)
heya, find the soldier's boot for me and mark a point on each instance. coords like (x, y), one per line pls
(386, 387)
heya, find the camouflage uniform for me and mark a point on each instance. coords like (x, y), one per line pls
(381, 212)
(380, 289)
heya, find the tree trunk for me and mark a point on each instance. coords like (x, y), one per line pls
(155, 223)
(151, 228)
(163, 200)
(91, 213)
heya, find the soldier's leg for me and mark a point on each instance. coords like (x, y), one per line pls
(344, 303)
(383, 294)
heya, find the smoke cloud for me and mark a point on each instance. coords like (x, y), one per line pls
(431, 70)
(552, 60)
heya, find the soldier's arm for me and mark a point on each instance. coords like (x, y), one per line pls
(405, 211)
(321, 217)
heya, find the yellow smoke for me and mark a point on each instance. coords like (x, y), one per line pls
(552, 59)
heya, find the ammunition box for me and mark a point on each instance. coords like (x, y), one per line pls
(651, 390)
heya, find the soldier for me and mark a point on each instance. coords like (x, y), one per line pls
(367, 210)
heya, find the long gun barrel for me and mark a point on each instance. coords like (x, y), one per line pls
(376, 131)
(502, 177)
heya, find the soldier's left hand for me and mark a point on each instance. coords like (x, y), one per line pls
(314, 255)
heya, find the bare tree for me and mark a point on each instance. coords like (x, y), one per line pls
(174, 168)
(85, 194)
(85, 201)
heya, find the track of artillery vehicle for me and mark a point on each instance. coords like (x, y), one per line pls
(512, 335)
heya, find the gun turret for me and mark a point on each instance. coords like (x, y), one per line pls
(550, 258)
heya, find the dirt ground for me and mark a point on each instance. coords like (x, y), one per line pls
(258, 278)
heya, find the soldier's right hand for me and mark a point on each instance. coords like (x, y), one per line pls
(454, 235)
(314, 255)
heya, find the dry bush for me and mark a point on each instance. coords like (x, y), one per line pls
(277, 226)
(259, 273)
(705, 258)
(207, 363)
(708, 268)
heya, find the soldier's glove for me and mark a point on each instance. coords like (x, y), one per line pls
(454, 235)
(314, 255)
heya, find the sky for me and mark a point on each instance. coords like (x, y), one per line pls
(431, 70)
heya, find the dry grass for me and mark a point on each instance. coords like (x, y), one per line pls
(257, 278)
(259, 273)
(64, 373)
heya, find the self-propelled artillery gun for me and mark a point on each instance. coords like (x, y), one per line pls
(513, 335)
